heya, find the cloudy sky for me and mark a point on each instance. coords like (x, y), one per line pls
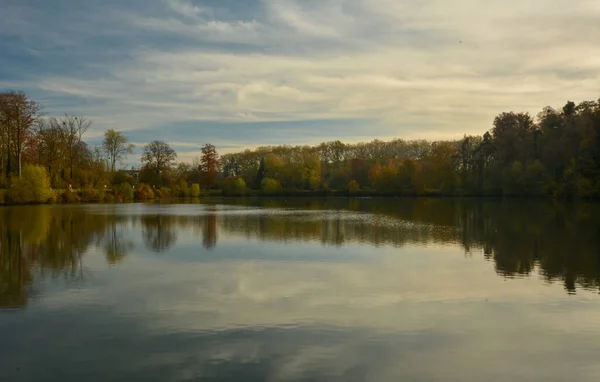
(243, 73)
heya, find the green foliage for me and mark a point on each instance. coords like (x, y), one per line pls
(119, 177)
(183, 188)
(353, 187)
(270, 186)
(234, 186)
(195, 190)
(535, 179)
(125, 192)
(556, 153)
(514, 182)
(32, 187)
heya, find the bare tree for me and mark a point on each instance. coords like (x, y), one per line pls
(116, 146)
(73, 129)
(158, 156)
(51, 145)
(17, 115)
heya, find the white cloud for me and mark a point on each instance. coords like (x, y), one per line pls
(434, 68)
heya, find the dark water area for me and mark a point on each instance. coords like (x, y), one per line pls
(301, 290)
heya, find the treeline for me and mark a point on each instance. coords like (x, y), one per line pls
(557, 153)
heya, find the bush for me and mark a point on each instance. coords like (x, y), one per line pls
(184, 189)
(89, 194)
(32, 187)
(69, 197)
(164, 193)
(144, 192)
(234, 185)
(119, 178)
(353, 187)
(270, 186)
(195, 190)
(125, 191)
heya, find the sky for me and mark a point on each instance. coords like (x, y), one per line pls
(245, 73)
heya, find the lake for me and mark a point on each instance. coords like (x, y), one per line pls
(301, 290)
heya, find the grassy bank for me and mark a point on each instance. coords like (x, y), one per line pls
(167, 195)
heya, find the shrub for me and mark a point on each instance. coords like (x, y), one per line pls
(353, 187)
(195, 190)
(120, 177)
(89, 194)
(125, 191)
(184, 189)
(164, 193)
(174, 190)
(144, 192)
(234, 185)
(270, 186)
(69, 197)
(32, 187)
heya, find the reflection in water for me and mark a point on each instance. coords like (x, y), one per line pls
(159, 232)
(209, 237)
(521, 237)
(337, 289)
(49, 242)
(116, 245)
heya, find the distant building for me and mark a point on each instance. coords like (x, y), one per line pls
(133, 172)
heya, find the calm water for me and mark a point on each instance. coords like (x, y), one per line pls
(301, 290)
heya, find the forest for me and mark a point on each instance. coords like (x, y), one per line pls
(555, 153)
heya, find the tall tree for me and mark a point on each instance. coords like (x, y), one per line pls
(18, 114)
(74, 127)
(116, 147)
(208, 165)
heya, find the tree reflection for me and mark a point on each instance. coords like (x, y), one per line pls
(116, 246)
(158, 232)
(39, 242)
(559, 241)
(209, 234)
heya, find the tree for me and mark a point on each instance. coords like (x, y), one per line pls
(17, 115)
(50, 146)
(32, 187)
(116, 147)
(195, 190)
(73, 129)
(353, 187)
(234, 185)
(513, 135)
(159, 157)
(208, 165)
(270, 186)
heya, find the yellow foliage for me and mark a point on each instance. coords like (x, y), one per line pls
(32, 187)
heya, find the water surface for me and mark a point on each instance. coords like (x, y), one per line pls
(301, 290)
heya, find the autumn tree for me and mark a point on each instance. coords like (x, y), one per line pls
(158, 157)
(74, 127)
(116, 147)
(208, 165)
(18, 114)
